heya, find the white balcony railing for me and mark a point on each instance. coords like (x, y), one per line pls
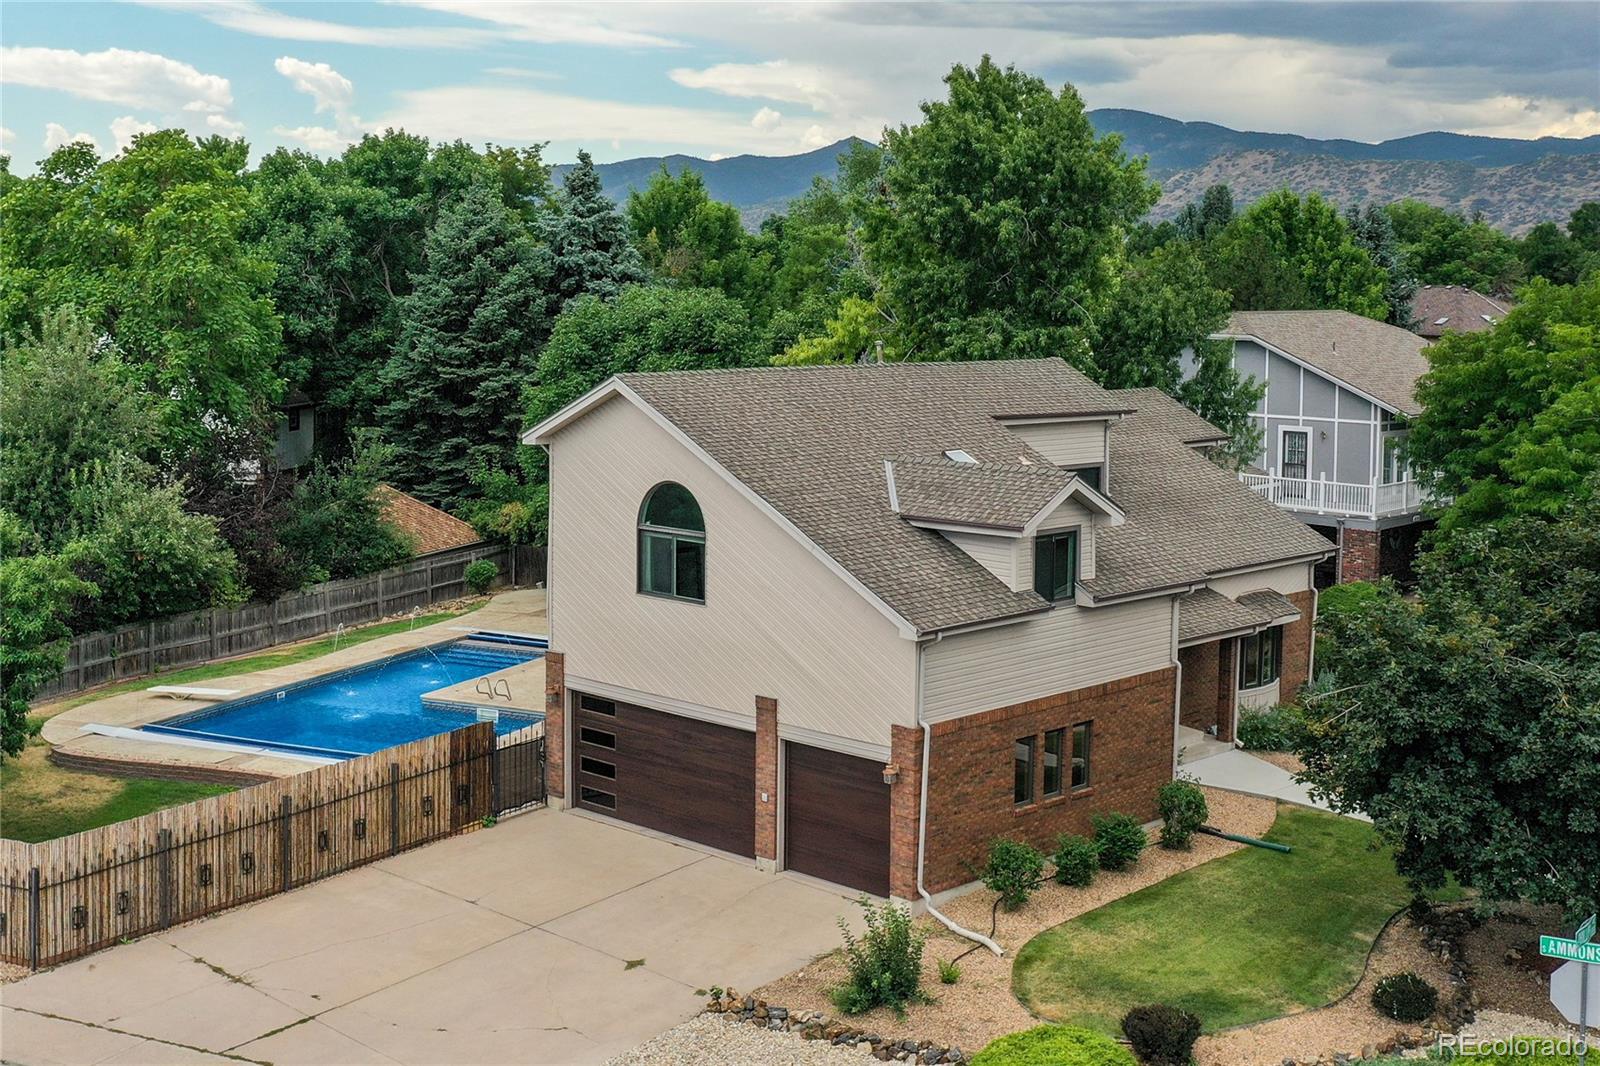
(1337, 497)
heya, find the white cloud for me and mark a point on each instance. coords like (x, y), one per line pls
(554, 23)
(766, 119)
(524, 72)
(261, 21)
(795, 83)
(6, 137)
(331, 90)
(125, 128)
(316, 138)
(224, 125)
(56, 136)
(117, 76)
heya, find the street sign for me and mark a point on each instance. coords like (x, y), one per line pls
(1566, 992)
(1557, 947)
(1585, 931)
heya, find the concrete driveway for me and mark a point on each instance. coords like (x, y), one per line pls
(549, 938)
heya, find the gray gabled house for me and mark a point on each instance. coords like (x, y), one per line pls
(1334, 416)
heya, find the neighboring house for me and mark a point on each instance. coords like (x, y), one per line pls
(859, 621)
(428, 528)
(1340, 390)
(297, 431)
(1440, 309)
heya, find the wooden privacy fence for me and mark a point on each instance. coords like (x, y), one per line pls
(68, 897)
(222, 632)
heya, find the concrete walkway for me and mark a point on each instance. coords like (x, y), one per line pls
(518, 611)
(1239, 771)
(549, 938)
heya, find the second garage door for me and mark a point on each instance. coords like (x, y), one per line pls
(665, 772)
(836, 818)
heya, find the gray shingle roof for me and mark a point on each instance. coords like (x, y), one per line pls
(1208, 613)
(1187, 518)
(812, 441)
(1378, 359)
(1441, 309)
(1000, 496)
(1173, 418)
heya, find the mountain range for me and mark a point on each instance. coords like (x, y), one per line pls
(1512, 183)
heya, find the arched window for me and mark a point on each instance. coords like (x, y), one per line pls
(672, 544)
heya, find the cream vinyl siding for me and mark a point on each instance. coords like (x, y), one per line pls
(1295, 577)
(1066, 443)
(1069, 514)
(999, 555)
(775, 622)
(1068, 648)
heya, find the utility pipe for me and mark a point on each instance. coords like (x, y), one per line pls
(1241, 839)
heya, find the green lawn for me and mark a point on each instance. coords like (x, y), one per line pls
(1246, 937)
(42, 801)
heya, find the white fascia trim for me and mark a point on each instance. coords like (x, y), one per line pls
(906, 629)
(813, 738)
(1242, 631)
(682, 708)
(541, 433)
(1275, 564)
(1079, 488)
(972, 627)
(1317, 370)
(1009, 532)
(1088, 600)
(1038, 420)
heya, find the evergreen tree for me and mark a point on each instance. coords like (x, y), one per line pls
(1374, 231)
(1207, 217)
(588, 240)
(470, 333)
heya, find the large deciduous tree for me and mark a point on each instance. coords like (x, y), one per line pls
(1286, 252)
(1467, 725)
(470, 334)
(1509, 414)
(37, 593)
(1002, 225)
(1444, 248)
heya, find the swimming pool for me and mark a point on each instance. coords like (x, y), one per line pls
(364, 709)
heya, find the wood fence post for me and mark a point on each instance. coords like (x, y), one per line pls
(33, 918)
(211, 633)
(273, 632)
(432, 590)
(394, 808)
(150, 647)
(164, 875)
(286, 840)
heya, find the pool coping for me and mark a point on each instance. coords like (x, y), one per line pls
(520, 611)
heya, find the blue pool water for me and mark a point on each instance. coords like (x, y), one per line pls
(357, 711)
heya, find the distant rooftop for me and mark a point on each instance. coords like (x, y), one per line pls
(428, 528)
(1441, 309)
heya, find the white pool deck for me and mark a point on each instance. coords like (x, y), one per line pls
(107, 728)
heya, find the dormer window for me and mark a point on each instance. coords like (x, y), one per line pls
(1055, 565)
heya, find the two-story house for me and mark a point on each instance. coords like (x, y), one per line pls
(858, 621)
(1339, 394)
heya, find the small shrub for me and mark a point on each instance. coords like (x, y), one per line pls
(1281, 727)
(1161, 1035)
(885, 962)
(1014, 870)
(1054, 1045)
(1405, 997)
(1076, 860)
(489, 821)
(1119, 840)
(1349, 598)
(949, 973)
(480, 575)
(1183, 811)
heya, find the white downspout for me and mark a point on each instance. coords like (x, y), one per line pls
(922, 818)
(1177, 690)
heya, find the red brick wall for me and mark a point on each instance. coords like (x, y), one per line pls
(905, 800)
(1199, 705)
(970, 772)
(1297, 639)
(555, 723)
(1358, 555)
(766, 778)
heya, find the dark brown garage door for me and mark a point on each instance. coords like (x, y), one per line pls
(665, 772)
(836, 818)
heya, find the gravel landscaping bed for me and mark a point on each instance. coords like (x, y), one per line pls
(713, 1040)
(1508, 974)
(981, 1006)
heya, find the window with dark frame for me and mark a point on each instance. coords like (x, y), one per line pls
(598, 705)
(1054, 745)
(1022, 756)
(597, 737)
(1055, 565)
(1090, 476)
(672, 544)
(1260, 657)
(597, 767)
(599, 797)
(1081, 738)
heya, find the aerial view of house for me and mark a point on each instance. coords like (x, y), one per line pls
(705, 534)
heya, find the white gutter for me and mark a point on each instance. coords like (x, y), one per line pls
(922, 817)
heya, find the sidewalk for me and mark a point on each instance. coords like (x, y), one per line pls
(1239, 771)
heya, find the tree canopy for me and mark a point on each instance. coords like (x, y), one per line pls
(1287, 252)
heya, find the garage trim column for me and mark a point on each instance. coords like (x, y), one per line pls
(766, 797)
(905, 797)
(555, 725)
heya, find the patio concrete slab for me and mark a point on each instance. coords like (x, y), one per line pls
(1239, 771)
(505, 946)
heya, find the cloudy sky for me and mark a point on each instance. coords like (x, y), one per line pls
(643, 79)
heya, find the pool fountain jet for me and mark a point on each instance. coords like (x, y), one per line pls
(338, 634)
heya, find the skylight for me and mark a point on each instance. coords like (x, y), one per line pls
(1441, 321)
(956, 455)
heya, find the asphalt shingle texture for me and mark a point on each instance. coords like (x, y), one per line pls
(1380, 360)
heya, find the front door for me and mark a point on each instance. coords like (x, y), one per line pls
(1296, 452)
